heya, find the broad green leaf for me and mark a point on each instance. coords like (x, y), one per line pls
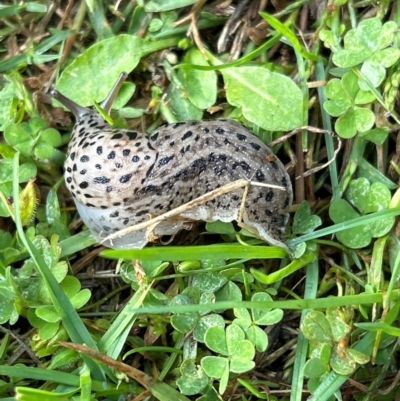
(267, 99)
(201, 86)
(8, 312)
(181, 106)
(166, 5)
(70, 285)
(91, 75)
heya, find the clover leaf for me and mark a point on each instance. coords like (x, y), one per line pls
(193, 379)
(366, 199)
(304, 222)
(32, 138)
(236, 353)
(249, 322)
(368, 41)
(345, 97)
(325, 333)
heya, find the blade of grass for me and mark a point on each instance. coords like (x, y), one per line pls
(311, 287)
(284, 30)
(296, 304)
(70, 318)
(115, 337)
(160, 390)
(76, 243)
(98, 19)
(245, 59)
(369, 218)
(52, 376)
(326, 121)
(207, 252)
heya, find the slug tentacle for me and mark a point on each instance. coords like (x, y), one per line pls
(109, 100)
(120, 177)
(77, 110)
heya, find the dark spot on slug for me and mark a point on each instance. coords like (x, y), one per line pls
(255, 146)
(187, 135)
(101, 180)
(132, 135)
(269, 196)
(165, 160)
(260, 176)
(141, 213)
(125, 178)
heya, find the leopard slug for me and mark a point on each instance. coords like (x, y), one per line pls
(121, 177)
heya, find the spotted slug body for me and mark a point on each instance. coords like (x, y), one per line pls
(120, 177)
